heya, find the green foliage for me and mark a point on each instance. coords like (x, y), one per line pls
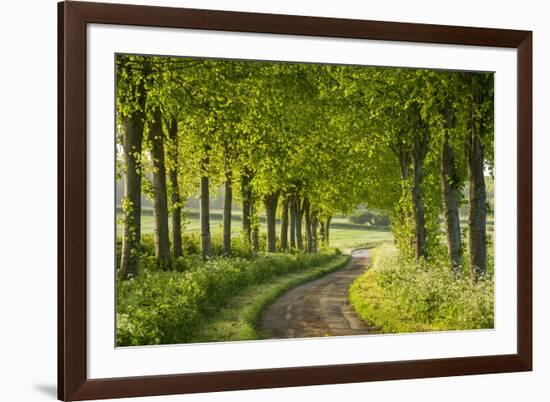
(164, 307)
(399, 295)
(338, 135)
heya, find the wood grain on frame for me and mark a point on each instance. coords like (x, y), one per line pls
(73, 383)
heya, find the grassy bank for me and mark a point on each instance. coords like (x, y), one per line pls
(167, 307)
(239, 320)
(401, 296)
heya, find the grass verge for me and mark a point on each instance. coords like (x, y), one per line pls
(168, 307)
(239, 320)
(400, 296)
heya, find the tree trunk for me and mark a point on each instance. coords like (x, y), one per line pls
(450, 188)
(404, 215)
(132, 136)
(160, 199)
(419, 153)
(255, 226)
(309, 235)
(206, 240)
(327, 230)
(270, 203)
(404, 165)
(175, 198)
(227, 202)
(314, 226)
(292, 208)
(478, 199)
(299, 215)
(246, 196)
(284, 223)
(322, 231)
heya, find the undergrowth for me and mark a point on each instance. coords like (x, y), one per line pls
(401, 295)
(166, 307)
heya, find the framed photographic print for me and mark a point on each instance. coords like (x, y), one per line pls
(253, 200)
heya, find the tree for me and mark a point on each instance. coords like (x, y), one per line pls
(227, 203)
(284, 222)
(420, 142)
(270, 203)
(293, 217)
(480, 103)
(206, 239)
(451, 185)
(298, 217)
(175, 196)
(160, 199)
(309, 234)
(450, 120)
(131, 98)
(246, 196)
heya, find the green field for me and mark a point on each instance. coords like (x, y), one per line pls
(342, 238)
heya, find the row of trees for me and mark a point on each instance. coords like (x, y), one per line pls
(302, 142)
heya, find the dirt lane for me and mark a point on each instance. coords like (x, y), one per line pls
(318, 308)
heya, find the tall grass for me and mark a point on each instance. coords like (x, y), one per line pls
(166, 307)
(399, 295)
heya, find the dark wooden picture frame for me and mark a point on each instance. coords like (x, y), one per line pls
(73, 383)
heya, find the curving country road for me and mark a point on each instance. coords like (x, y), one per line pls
(318, 308)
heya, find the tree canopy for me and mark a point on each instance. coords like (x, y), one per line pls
(304, 142)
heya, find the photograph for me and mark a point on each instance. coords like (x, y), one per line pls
(262, 200)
